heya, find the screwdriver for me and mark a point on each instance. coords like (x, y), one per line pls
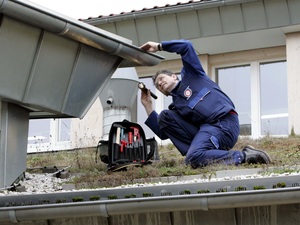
(130, 147)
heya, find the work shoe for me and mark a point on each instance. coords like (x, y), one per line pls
(253, 155)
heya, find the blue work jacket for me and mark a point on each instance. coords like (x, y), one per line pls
(196, 97)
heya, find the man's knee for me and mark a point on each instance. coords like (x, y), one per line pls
(196, 158)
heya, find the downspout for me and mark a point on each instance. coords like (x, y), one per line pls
(108, 208)
(164, 10)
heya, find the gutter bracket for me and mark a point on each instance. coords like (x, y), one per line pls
(103, 210)
(12, 216)
(117, 50)
(204, 204)
(65, 30)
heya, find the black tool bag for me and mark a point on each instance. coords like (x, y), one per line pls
(126, 146)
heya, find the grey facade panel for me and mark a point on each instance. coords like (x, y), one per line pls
(289, 214)
(217, 216)
(14, 128)
(188, 25)
(110, 27)
(254, 16)
(294, 6)
(167, 27)
(232, 19)
(91, 73)
(21, 48)
(127, 29)
(52, 71)
(219, 18)
(262, 215)
(145, 219)
(277, 13)
(210, 22)
(146, 29)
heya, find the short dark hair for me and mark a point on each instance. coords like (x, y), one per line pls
(167, 72)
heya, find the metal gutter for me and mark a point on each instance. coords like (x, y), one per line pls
(179, 8)
(152, 204)
(165, 198)
(61, 25)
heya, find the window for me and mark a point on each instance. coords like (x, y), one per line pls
(236, 83)
(273, 97)
(259, 92)
(48, 135)
(64, 129)
(39, 136)
(39, 131)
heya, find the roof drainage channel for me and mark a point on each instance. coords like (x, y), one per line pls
(151, 204)
(157, 198)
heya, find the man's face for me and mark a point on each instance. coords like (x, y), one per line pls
(165, 83)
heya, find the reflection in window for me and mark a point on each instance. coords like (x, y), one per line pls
(48, 134)
(39, 131)
(64, 129)
(274, 102)
(236, 83)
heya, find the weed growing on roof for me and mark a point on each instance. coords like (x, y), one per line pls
(91, 174)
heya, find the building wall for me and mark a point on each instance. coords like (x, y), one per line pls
(293, 61)
(87, 132)
(210, 62)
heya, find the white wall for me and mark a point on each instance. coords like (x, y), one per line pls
(87, 132)
(293, 62)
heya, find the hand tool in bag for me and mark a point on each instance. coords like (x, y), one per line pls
(123, 144)
(123, 149)
(116, 145)
(130, 147)
(142, 86)
(138, 146)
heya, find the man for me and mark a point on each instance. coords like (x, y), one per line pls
(201, 121)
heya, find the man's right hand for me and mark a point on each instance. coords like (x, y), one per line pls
(150, 46)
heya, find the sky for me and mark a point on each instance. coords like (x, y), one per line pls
(79, 9)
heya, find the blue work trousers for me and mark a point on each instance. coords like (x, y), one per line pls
(204, 144)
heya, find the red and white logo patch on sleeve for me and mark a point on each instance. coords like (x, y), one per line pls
(188, 93)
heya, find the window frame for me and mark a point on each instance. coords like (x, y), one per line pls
(54, 144)
(255, 89)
